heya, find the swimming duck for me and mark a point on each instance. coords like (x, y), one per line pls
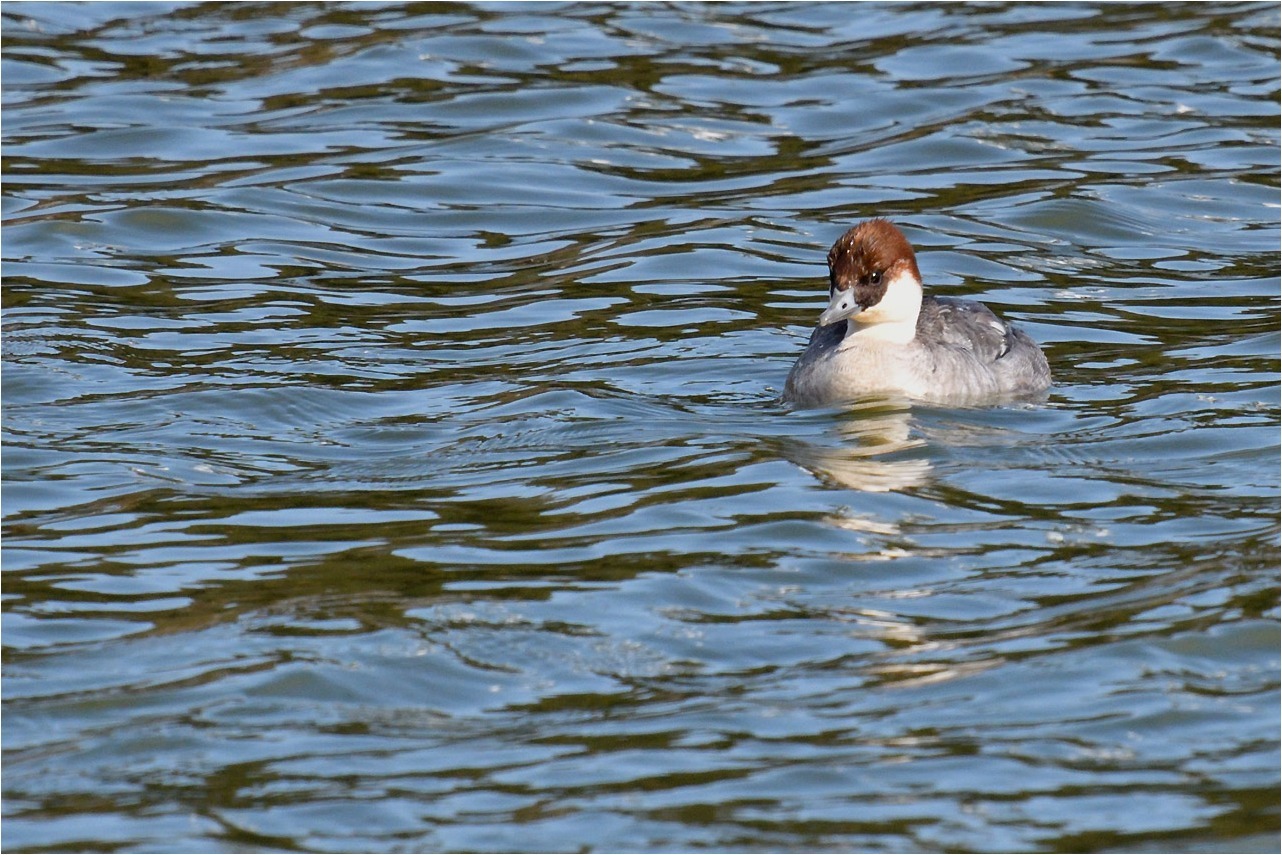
(881, 336)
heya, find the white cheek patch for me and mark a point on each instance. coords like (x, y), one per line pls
(893, 318)
(900, 303)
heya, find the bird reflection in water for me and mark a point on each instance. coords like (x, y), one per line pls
(866, 453)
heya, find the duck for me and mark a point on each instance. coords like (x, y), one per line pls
(881, 336)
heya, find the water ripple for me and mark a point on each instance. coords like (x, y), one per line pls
(393, 452)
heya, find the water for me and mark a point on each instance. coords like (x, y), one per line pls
(393, 457)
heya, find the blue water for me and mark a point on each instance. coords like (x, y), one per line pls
(393, 455)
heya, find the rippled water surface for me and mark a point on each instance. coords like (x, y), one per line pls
(393, 454)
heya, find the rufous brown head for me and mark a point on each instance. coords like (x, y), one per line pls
(862, 264)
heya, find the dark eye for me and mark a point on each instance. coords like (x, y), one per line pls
(876, 277)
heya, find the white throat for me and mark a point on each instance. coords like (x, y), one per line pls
(894, 318)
